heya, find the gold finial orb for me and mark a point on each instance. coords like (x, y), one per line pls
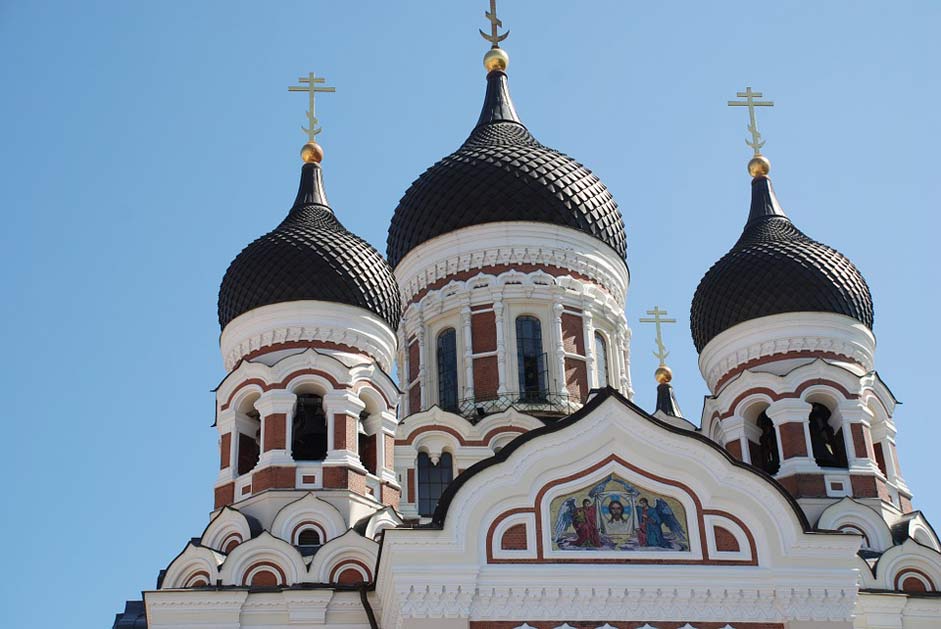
(759, 166)
(496, 59)
(312, 152)
(663, 374)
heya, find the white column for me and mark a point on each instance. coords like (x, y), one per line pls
(342, 403)
(468, 352)
(422, 362)
(628, 388)
(793, 411)
(502, 388)
(226, 423)
(620, 362)
(852, 412)
(588, 330)
(557, 309)
(276, 401)
(382, 425)
(403, 369)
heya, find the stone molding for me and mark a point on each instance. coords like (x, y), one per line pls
(511, 243)
(795, 333)
(313, 321)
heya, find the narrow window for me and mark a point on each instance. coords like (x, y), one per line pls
(367, 446)
(447, 370)
(767, 455)
(309, 438)
(308, 537)
(601, 360)
(531, 360)
(828, 447)
(432, 479)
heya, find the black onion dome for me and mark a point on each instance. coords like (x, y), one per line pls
(502, 173)
(310, 255)
(772, 269)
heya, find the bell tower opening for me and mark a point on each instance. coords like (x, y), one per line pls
(309, 434)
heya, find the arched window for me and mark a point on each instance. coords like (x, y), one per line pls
(829, 450)
(766, 456)
(308, 537)
(432, 479)
(248, 449)
(531, 360)
(309, 436)
(601, 360)
(447, 370)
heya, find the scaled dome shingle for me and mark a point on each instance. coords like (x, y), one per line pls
(775, 268)
(502, 173)
(309, 256)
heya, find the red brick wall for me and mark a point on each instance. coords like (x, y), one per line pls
(275, 477)
(389, 446)
(725, 541)
(804, 485)
(345, 434)
(414, 361)
(484, 332)
(573, 334)
(793, 441)
(414, 399)
(864, 486)
(576, 378)
(389, 495)
(735, 448)
(225, 495)
(514, 538)
(486, 377)
(275, 431)
(344, 478)
(859, 441)
(411, 484)
(225, 451)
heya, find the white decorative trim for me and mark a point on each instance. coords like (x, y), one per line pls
(310, 320)
(783, 333)
(516, 242)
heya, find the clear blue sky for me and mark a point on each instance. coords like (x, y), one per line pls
(145, 143)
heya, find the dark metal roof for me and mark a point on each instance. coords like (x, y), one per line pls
(666, 401)
(502, 173)
(134, 616)
(775, 268)
(310, 255)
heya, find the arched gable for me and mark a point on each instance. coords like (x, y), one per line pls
(350, 551)
(229, 528)
(909, 559)
(267, 554)
(513, 520)
(195, 566)
(851, 516)
(309, 511)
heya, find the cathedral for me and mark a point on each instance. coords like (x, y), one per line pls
(444, 437)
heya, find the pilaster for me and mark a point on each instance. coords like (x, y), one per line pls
(276, 408)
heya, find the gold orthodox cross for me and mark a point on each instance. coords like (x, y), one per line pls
(311, 88)
(751, 103)
(657, 319)
(495, 25)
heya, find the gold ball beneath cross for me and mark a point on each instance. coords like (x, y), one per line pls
(312, 152)
(663, 374)
(496, 59)
(759, 166)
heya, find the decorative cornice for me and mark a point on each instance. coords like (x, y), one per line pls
(789, 335)
(706, 604)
